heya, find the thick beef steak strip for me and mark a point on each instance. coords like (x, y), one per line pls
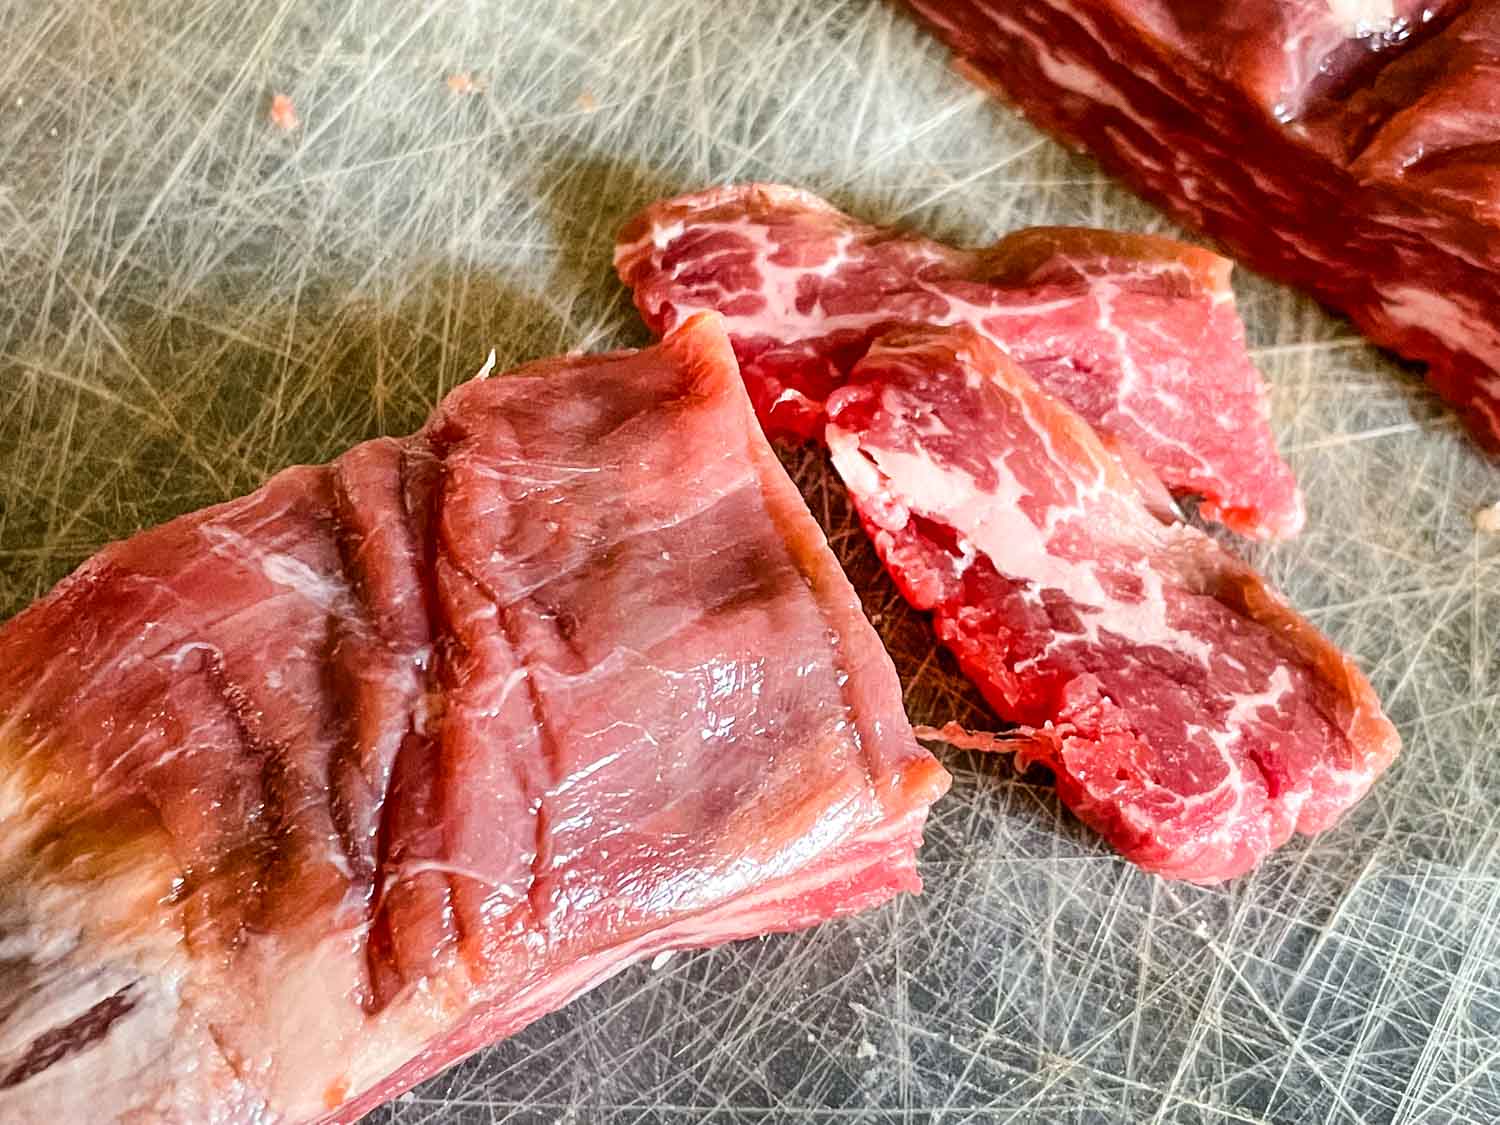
(1351, 147)
(1138, 333)
(1190, 715)
(305, 796)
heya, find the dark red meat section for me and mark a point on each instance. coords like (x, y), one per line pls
(1138, 333)
(1350, 148)
(1190, 715)
(305, 796)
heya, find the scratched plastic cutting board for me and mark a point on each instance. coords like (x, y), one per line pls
(192, 299)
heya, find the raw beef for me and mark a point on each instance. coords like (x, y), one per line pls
(1138, 333)
(1351, 147)
(305, 796)
(1190, 715)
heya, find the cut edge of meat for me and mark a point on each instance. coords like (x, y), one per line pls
(871, 871)
(1019, 255)
(653, 228)
(867, 870)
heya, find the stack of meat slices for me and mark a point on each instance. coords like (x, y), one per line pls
(306, 796)
(1138, 333)
(1010, 422)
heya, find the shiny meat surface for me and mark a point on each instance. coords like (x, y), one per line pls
(1351, 147)
(1139, 333)
(1190, 715)
(307, 795)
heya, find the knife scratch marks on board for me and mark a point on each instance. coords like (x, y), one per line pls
(186, 310)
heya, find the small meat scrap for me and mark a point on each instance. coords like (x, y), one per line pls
(1189, 714)
(1137, 333)
(463, 84)
(306, 796)
(284, 114)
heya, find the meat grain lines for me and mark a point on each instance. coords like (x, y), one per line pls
(348, 282)
(308, 795)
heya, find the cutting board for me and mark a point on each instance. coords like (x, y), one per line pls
(193, 298)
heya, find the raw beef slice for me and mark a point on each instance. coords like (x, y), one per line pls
(305, 796)
(1138, 333)
(1190, 715)
(1351, 147)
